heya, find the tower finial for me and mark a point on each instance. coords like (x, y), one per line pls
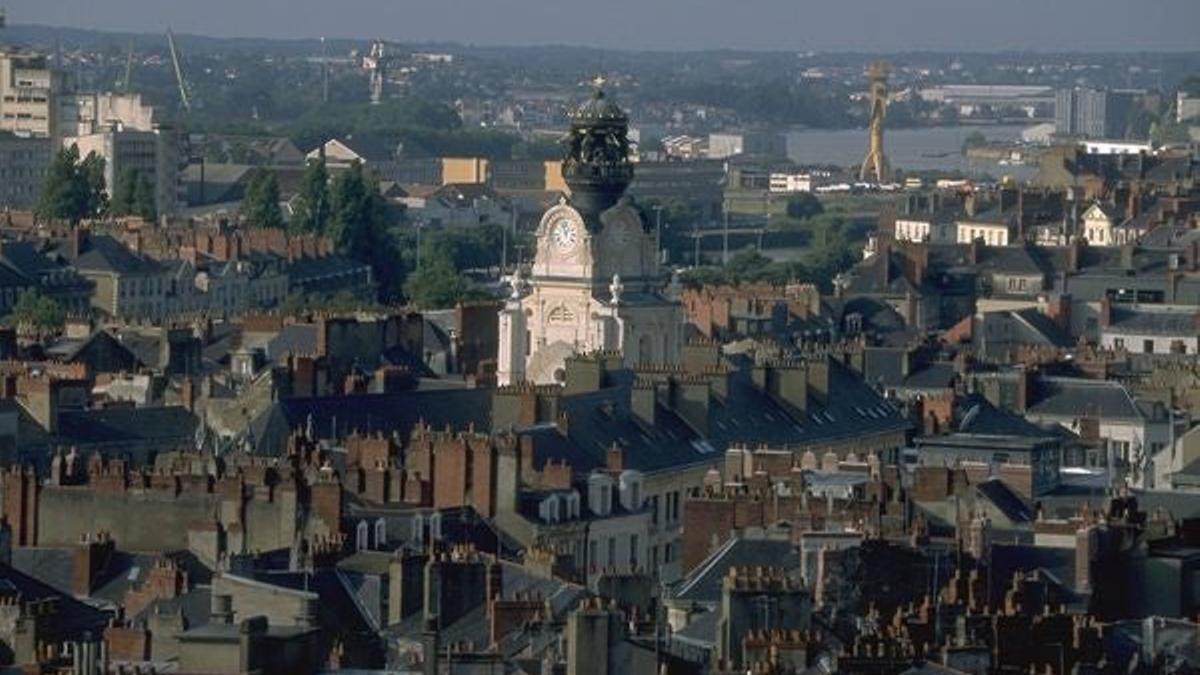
(598, 83)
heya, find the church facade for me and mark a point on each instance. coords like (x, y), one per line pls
(595, 282)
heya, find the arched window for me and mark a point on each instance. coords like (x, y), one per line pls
(380, 533)
(362, 536)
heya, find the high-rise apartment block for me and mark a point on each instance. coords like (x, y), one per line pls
(1094, 113)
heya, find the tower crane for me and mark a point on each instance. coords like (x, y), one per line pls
(128, 69)
(184, 98)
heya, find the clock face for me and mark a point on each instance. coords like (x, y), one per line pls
(565, 235)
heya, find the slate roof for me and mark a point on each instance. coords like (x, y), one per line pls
(600, 420)
(1154, 322)
(1041, 329)
(703, 583)
(11, 278)
(976, 415)
(107, 255)
(195, 606)
(370, 147)
(309, 271)
(939, 375)
(26, 258)
(561, 597)
(458, 526)
(1008, 502)
(1008, 559)
(884, 366)
(338, 606)
(117, 425)
(399, 412)
(1068, 398)
(293, 339)
(72, 618)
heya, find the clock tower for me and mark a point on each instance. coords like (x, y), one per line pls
(595, 282)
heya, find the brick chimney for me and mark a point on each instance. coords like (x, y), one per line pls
(1133, 207)
(92, 556)
(1074, 254)
(1020, 214)
(78, 242)
(885, 262)
(1105, 312)
(187, 394)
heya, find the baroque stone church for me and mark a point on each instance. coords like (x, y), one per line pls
(595, 282)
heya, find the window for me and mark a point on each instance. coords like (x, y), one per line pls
(633, 551)
(593, 555)
(1119, 343)
(1148, 346)
(612, 552)
(653, 557)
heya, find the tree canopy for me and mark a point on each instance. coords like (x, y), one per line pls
(313, 205)
(133, 195)
(804, 205)
(73, 190)
(38, 312)
(260, 205)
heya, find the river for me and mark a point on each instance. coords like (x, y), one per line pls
(923, 149)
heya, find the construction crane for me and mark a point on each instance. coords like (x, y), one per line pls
(179, 79)
(128, 69)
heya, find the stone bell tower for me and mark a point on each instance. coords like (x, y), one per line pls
(595, 282)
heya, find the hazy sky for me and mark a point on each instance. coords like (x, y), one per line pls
(826, 25)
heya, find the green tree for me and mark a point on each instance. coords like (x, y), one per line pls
(64, 193)
(313, 203)
(804, 205)
(145, 205)
(260, 206)
(91, 173)
(358, 225)
(974, 139)
(73, 189)
(124, 193)
(436, 285)
(38, 312)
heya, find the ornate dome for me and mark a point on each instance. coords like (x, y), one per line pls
(599, 110)
(597, 164)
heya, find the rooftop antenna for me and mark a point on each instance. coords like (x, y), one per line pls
(179, 79)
